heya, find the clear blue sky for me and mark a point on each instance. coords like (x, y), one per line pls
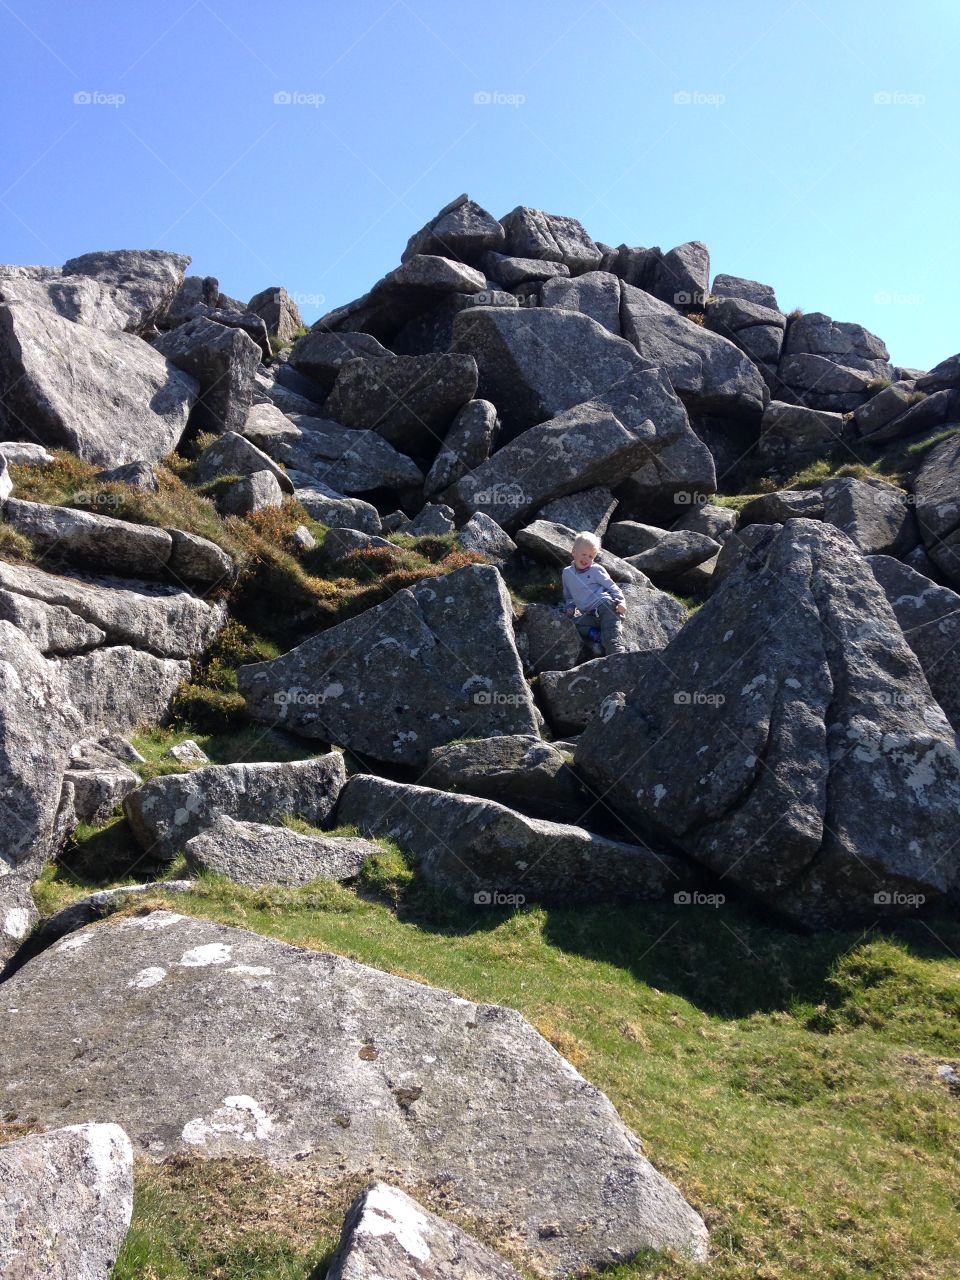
(783, 160)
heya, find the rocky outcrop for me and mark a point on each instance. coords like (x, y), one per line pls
(789, 740)
(255, 854)
(386, 1233)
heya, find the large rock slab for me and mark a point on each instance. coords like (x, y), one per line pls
(38, 725)
(255, 853)
(141, 282)
(531, 233)
(410, 401)
(707, 371)
(929, 616)
(212, 1041)
(320, 355)
(418, 285)
(572, 696)
(466, 445)
(522, 772)
(66, 1200)
(223, 360)
(165, 621)
(387, 1233)
(598, 442)
(877, 517)
(168, 811)
(482, 851)
(108, 397)
(100, 543)
(433, 663)
(346, 460)
(234, 455)
(537, 362)
(789, 741)
(122, 689)
(937, 494)
(18, 913)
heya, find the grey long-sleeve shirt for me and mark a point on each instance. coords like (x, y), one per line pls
(589, 588)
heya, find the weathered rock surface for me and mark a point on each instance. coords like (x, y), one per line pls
(234, 455)
(122, 689)
(320, 355)
(937, 493)
(476, 848)
(407, 1078)
(223, 360)
(791, 433)
(419, 284)
(109, 397)
(165, 621)
(249, 494)
(278, 311)
(255, 853)
(789, 741)
(410, 401)
(571, 697)
(877, 517)
(433, 663)
(522, 772)
(484, 536)
(336, 510)
(588, 509)
(598, 442)
(169, 810)
(387, 1233)
(785, 504)
(142, 282)
(66, 1202)
(462, 230)
(548, 639)
(929, 616)
(537, 362)
(531, 233)
(465, 446)
(38, 725)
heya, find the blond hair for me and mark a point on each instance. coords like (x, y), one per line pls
(586, 539)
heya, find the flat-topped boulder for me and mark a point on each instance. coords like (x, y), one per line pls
(206, 1040)
(256, 853)
(168, 811)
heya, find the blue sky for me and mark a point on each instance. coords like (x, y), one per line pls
(812, 146)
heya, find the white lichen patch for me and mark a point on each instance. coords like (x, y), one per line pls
(211, 953)
(240, 1115)
(74, 942)
(250, 970)
(148, 977)
(388, 1213)
(16, 922)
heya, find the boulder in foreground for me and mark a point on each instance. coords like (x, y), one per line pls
(202, 1038)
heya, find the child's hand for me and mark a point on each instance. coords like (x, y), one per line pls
(569, 613)
(621, 609)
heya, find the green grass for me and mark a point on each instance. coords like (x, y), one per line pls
(787, 1083)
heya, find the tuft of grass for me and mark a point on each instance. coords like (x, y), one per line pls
(15, 546)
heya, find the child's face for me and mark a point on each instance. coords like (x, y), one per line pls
(583, 557)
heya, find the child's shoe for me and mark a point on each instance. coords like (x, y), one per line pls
(594, 635)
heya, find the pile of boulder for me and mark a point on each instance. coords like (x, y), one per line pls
(782, 724)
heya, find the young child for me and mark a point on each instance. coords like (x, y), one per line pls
(590, 595)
